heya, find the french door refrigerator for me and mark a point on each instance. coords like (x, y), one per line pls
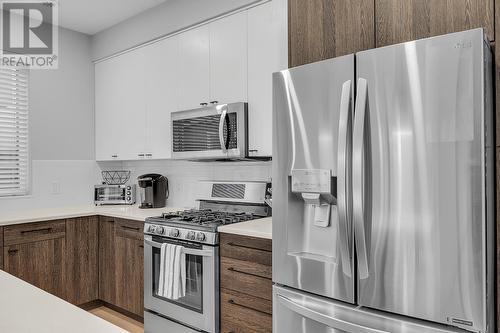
(383, 189)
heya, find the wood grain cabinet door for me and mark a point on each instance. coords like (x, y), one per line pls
(107, 275)
(39, 263)
(323, 29)
(400, 21)
(82, 270)
(130, 274)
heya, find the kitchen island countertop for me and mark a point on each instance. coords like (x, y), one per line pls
(260, 228)
(25, 308)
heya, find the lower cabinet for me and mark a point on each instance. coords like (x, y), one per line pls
(121, 262)
(36, 253)
(81, 259)
(246, 284)
(107, 274)
(82, 266)
(129, 275)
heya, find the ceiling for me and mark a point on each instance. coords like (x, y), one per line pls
(92, 16)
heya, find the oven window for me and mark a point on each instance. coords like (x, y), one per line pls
(109, 193)
(194, 282)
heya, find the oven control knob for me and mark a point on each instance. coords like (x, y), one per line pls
(174, 233)
(160, 230)
(201, 236)
(129, 188)
(129, 193)
(191, 235)
(151, 228)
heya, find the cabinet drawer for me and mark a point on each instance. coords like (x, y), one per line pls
(249, 278)
(242, 313)
(34, 232)
(129, 229)
(246, 248)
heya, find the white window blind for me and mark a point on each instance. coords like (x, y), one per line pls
(14, 162)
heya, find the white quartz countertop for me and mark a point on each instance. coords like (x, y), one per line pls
(125, 212)
(25, 308)
(260, 228)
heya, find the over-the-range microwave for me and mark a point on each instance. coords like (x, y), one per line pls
(211, 133)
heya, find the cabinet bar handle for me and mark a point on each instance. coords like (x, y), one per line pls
(126, 227)
(231, 301)
(247, 247)
(45, 230)
(12, 252)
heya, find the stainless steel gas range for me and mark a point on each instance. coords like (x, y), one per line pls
(220, 203)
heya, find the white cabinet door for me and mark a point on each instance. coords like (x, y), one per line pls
(194, 78)
(228, 59)
(162, 73)
(264, 58)
(120, 107)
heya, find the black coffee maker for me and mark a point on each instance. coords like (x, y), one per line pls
(153, 190)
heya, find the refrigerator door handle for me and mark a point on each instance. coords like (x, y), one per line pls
(345, 326)
(343, 176)
(358, 178)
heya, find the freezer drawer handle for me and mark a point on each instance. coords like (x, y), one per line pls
(343, 178)
(358, 181)
(324, 319)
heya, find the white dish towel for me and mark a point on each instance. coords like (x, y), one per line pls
(172, 280)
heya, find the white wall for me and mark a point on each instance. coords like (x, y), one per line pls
(61, 111)
(158, 21)
(183, 175)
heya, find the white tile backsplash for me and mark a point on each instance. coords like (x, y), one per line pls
(56, 183)
(184, 175)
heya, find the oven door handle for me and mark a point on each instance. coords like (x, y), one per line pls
(223, 114)
(187, 250)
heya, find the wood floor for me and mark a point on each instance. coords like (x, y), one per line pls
(118, 319)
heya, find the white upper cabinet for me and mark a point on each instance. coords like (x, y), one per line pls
(119, 103)
(228, 59)
(162, 77)
(265, 38)
(194, 70)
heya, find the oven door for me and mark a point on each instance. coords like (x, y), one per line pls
(215, 132)
(199, 309)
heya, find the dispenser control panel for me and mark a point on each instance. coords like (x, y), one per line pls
(311, 181)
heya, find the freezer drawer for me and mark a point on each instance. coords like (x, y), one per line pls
(298, 312)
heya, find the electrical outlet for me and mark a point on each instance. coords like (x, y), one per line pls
(56, 188)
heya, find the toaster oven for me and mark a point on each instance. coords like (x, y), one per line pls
(114, 194)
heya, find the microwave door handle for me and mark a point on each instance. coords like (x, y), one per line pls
(187, 250)
(343, 176)
(222, 121)
(358, 203)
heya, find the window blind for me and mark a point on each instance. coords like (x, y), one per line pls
(14, 161)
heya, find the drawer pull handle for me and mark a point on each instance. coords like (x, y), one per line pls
(232, 302)
(232, 269)
(126, 227)
(246, 247)
(141, 246)
(12, 252)
(43, 230)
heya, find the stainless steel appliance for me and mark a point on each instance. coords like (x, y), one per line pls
(114, 194)
(383, 187)
(220, 203)
(153, 190)
(212, 132)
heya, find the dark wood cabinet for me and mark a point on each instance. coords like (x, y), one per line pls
(82, 269)
(322, 29)
(130, 274)
(35, 253)
(1, 247)
(107, 260)
(121, 264)
(400, 21)
(246, 284)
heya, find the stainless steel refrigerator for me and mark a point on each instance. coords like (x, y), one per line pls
(383, 189)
